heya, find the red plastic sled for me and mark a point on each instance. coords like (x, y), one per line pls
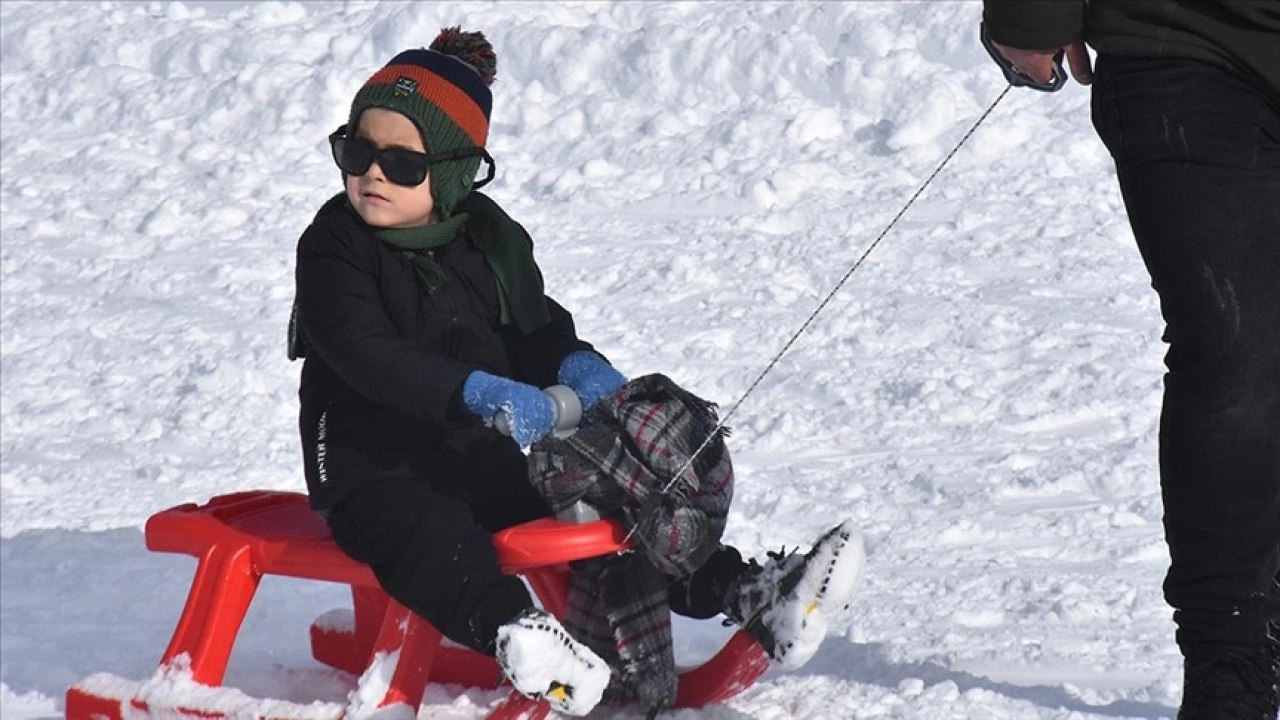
(241, 537)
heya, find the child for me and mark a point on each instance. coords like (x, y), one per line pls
(421, 314)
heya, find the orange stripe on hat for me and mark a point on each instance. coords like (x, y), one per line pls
(455, 103)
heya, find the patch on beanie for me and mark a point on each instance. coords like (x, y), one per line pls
(471, 48)
(405, 86)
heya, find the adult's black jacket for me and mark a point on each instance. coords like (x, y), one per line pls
(1241, 35)
(385, 362)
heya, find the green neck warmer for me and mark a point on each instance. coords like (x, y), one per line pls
(415, 243)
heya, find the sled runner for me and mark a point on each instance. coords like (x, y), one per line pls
(241, 537)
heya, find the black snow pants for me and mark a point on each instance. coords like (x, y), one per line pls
(1197, 153)
(427, 538)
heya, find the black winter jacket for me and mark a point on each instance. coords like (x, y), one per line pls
(1241, 35)
(381, 384)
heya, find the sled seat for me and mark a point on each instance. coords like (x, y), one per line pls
(241, 537)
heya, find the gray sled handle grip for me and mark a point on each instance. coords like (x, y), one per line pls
(1018, 79)
(568, 412)
(568, 415)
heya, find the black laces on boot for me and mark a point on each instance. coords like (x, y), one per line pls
(751, 574)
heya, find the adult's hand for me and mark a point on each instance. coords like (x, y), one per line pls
(1038, 64)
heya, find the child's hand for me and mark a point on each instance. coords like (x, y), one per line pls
(530, 413)
(590, 376)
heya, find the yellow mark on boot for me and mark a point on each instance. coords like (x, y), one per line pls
(813, 608)
(558, 692)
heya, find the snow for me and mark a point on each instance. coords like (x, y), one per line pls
(538, 656)
(981, 397)
(800, 620)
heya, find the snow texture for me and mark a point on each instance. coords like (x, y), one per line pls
(980, 398)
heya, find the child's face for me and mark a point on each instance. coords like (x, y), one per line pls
(380, 202)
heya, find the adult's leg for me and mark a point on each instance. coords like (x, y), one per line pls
(1197, 153)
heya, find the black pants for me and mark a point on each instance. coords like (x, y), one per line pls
(1197, 153)
(427, 538)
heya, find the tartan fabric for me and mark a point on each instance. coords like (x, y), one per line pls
(618, 607)
(627, 450)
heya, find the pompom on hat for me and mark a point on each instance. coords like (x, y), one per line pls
(444, 90)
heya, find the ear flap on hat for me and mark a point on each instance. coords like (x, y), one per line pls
(493, 169)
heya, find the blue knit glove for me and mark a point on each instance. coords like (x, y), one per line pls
(531, 413)
(590, 376)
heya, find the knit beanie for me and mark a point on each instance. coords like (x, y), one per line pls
(444, 90)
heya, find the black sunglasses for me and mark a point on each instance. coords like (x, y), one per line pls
(409, 168)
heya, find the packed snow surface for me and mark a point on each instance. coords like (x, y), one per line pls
(980, 397)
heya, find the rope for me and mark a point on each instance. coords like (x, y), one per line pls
(827, 300)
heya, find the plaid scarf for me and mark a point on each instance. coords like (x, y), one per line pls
(618, 607)
(627, 450)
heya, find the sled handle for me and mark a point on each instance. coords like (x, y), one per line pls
(567, 406)
(568, 414)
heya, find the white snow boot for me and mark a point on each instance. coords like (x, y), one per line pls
(789, 602)
(544, 662)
